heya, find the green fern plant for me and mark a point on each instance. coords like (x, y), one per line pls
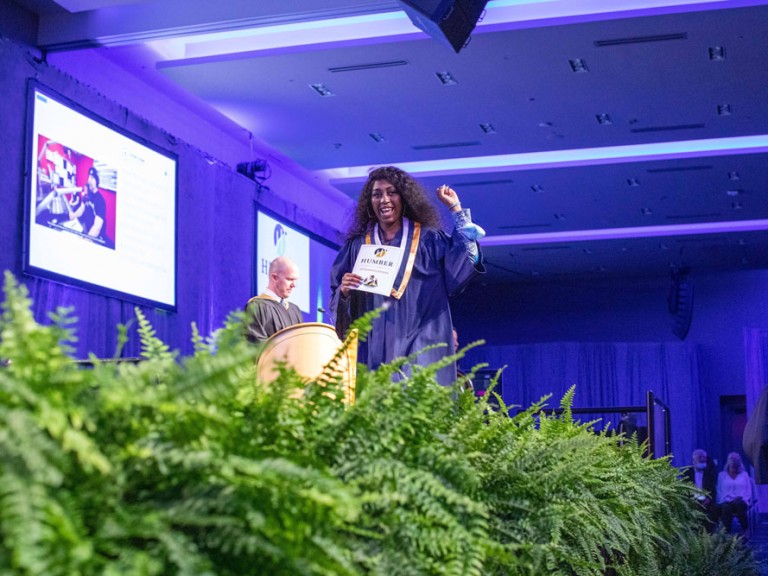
(192, 465)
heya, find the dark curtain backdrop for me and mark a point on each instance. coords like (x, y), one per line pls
(606, 375)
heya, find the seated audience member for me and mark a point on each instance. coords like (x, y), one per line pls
(270, 312)
(734, 493)
(703, 474)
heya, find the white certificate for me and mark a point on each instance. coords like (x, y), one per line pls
(377, 265)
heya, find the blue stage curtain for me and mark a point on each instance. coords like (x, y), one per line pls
(606, 375)
(756, 364)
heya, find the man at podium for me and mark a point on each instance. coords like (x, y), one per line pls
(270, 311)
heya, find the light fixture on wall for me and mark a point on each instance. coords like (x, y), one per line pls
(253, 168)
(257, 170)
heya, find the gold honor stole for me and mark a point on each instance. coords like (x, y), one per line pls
(409, 244)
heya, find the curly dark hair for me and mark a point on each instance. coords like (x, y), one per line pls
(416, 204)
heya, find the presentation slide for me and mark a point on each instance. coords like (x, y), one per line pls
(101, 205)
(312, 255)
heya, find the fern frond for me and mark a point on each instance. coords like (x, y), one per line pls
(152, 348)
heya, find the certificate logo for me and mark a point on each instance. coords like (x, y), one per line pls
(380, 253)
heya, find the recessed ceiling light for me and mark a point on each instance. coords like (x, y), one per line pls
(446, 78)
(724, 109)
(646, 211)
(736, 205)
(604, 119)
(717, 53)
(537, 188)
(488, 128)
(733, 175)
(578, 65)
(377, 137)
(633, 182)
(732, 193)
(321, 89)
(559, 216)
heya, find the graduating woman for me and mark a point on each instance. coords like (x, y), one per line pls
(429, 266)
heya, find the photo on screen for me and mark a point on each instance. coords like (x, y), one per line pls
(100, 206)
(75, 193)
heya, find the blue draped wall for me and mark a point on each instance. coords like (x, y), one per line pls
(606, 375)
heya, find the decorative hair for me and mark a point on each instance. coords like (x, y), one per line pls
(95, 173)
(416, 204)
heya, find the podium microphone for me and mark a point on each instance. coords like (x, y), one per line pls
(324, 312)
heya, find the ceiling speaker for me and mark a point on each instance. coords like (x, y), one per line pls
(451, 21)
(680, 304)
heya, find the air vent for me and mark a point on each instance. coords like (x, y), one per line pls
(641, 39)
(463, 185)
(447, 145)
(667, 128)
(368, 66)
(694, 216)
(680, 169)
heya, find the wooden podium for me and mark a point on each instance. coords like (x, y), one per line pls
(308, 348)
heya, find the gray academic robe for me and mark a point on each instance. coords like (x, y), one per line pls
(265, 316)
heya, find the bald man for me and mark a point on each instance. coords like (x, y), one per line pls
(270, 311)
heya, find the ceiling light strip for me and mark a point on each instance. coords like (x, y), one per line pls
(624, 233)
(238, 36)
(567, 158)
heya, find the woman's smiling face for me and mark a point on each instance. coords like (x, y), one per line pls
(386, 203)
